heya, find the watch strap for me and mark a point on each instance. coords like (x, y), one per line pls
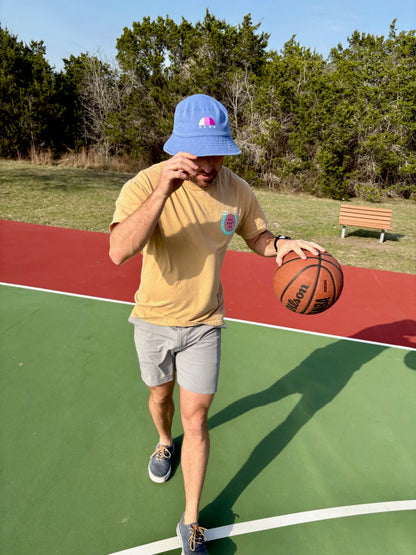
(277, 239)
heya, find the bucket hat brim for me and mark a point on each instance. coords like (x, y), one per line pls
(202, 146)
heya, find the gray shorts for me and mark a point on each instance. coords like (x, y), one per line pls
(192, 352)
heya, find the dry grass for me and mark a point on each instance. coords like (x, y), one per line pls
(89, 159)
(92, 160)
(84, 199)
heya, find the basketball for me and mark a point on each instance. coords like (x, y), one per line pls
(308, 286)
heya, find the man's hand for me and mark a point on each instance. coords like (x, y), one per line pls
(175, 171)
(284, 246)
(263, 244)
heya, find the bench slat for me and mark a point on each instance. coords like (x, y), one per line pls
(368, 209)
(361, 222)
(365, 217)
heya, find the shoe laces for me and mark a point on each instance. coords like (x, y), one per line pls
(161, 452)
(197, 536)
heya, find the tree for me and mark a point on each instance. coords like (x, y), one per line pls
(374, 83)
(100, 98)
(69, 86)
(27, 110)
(287, 123)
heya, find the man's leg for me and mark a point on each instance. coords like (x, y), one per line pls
(195, 448)
(162, 408)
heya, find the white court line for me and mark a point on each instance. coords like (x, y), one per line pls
(273, 326)
(276, 522)
(64, 293)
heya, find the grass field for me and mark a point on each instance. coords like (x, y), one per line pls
(84, 199)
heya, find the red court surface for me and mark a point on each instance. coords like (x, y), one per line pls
(378, 306)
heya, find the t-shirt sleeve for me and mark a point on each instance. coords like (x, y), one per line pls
(253, 220)
(132, 195)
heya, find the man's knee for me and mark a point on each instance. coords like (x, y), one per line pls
(161, 394)
(194, 411)
(195, 422)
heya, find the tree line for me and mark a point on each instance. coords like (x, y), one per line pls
(340, 126)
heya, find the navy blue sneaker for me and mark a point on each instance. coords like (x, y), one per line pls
(192, 537)
(160, 464)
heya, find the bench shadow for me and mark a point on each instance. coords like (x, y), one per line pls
(369, 234)
(319, 379)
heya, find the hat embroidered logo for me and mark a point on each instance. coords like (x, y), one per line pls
(206, 122)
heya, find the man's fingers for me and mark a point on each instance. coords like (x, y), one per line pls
(182, 165)
(299, 247)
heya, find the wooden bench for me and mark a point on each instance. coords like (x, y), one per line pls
(363, 216)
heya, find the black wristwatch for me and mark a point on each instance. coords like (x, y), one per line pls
(280, 237)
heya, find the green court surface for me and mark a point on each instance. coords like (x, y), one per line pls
(301, 422)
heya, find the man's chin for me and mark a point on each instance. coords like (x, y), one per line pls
(203, 182)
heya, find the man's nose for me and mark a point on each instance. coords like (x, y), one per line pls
(205, 165)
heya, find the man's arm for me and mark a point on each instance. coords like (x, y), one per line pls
(130, 236)
(263, 244)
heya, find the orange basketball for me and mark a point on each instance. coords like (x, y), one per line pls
(308, 286)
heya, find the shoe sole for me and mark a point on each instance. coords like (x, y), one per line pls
(159, 479)
(179, 538)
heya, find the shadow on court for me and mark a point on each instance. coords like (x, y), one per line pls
(319, 379)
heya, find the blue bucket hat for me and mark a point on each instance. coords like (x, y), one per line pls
(201, 128)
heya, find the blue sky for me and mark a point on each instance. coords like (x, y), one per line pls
(93, 26)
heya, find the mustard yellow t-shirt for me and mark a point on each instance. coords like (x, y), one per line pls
(180, 281)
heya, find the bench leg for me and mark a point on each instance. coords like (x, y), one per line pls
(343, 232)
(382, 236)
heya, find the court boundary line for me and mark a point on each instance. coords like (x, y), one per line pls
(281, 521)
(261, 324)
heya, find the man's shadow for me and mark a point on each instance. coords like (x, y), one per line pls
(319, 379)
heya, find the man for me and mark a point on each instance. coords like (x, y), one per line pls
(181, 214)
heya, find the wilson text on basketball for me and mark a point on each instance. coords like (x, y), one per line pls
(292, 304)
